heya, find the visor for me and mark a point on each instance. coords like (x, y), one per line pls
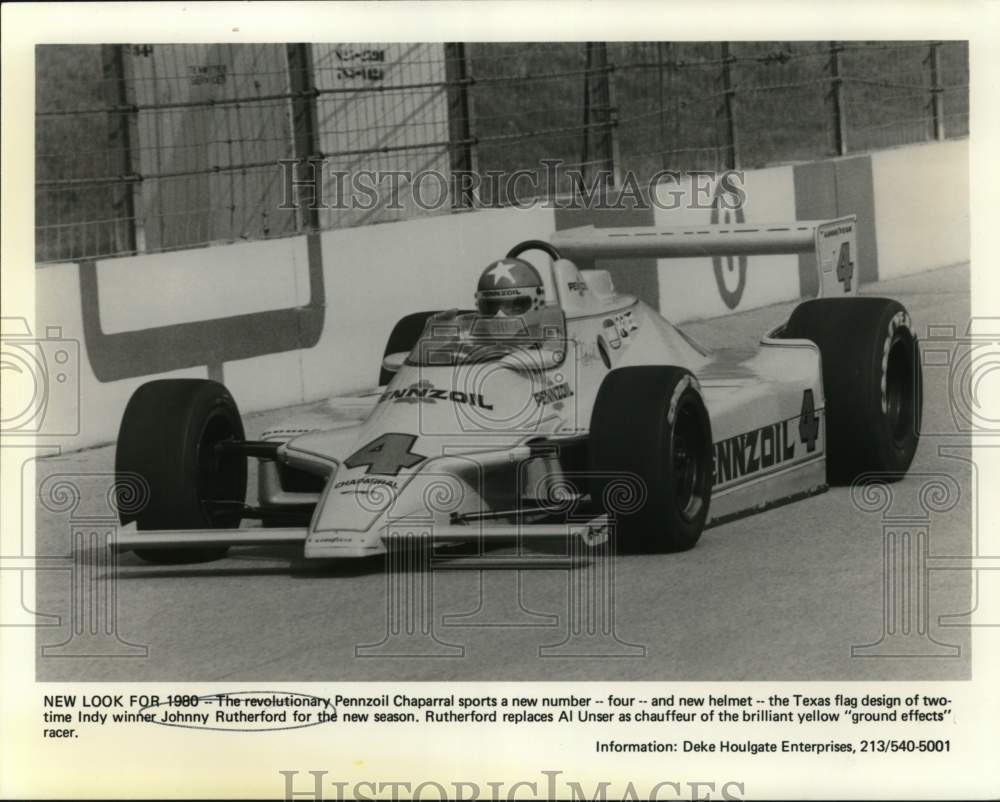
(517, 305)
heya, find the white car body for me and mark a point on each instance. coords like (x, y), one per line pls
(491, 449)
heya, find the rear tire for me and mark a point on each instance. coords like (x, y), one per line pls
(650, 426)
(872, 382)
(168, 436)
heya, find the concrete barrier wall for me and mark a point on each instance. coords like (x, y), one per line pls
(293, 320)
(279, 322)
(91, 410)
(921, 207)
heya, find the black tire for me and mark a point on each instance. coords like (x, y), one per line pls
(403, 337)
(167, 436)
(872, 381)
(650, 424)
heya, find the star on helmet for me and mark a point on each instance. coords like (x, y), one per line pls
(501, 270)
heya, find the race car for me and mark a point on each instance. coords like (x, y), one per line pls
(558, 407)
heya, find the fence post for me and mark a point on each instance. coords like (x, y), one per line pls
(122, 132)
(937, 93)
(457, 78)
(664, 51)
(305, 131)
(729, 106)
(837, 94)
(611, 130)
(599, 114)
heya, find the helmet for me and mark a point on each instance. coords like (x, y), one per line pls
(509, 287)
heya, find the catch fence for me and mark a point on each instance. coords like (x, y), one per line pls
(150, 148)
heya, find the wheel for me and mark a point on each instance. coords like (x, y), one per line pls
(403, 337)
(168, 436)
(872, 382)
(649, 425)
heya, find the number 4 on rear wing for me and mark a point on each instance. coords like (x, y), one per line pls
(836, 254)
(834, 243)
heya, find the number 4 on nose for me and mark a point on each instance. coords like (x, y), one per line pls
(808, 422)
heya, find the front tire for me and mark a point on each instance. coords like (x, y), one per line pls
(650, 434)
(168, 437)
(872, 382)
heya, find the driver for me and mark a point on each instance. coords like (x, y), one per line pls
(510, 298)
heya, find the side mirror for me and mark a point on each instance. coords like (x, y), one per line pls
(393, 362)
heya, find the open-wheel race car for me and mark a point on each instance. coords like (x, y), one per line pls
(558, 407)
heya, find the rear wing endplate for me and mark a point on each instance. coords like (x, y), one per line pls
(834, 242)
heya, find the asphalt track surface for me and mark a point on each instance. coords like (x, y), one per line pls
(783, 595)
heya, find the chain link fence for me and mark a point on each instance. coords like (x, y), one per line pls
(151, 148)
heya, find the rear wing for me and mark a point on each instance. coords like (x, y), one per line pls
(834, 242)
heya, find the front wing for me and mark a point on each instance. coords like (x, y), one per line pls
(129, 538)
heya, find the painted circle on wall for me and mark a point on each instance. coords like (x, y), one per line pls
(730, 271)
